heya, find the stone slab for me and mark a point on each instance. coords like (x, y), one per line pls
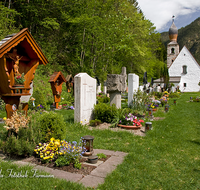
(92, 181)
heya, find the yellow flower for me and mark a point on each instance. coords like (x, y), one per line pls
(81, 122)
(4, 118)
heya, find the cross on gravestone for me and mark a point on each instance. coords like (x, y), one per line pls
(116, 84)
(85, 97)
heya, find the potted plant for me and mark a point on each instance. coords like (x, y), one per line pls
(129, 121)
(19, 79)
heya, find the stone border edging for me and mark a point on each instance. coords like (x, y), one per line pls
(95, 178)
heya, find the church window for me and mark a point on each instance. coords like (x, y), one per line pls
(184, 69)
(184, 84)
(172, 50)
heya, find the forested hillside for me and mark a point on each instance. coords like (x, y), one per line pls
(93, 36)
(188, 36)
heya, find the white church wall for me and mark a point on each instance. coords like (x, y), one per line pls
(192, 77)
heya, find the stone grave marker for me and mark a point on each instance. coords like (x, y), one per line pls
(99, 89)
(85, 97)
(133, 85)
(116, 84)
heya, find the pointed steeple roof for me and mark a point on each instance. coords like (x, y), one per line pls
(173, 31)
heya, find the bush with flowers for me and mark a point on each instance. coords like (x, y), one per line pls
(153, 105)
(62, 152)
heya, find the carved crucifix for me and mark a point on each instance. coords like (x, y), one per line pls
(16, 58)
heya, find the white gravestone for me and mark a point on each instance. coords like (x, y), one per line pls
(25, 99)
(133, 85)
(99, 89)
(141, 88)
(85, 97)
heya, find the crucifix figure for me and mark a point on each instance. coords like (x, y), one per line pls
(16, 65)
(16, 58)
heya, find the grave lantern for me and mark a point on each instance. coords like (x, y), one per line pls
(56, 80)
(148, 126)
(166, 107)
(174, 102)
(88, 145)
(20, 56)
(150, 112)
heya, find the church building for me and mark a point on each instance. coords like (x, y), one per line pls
(184, 71)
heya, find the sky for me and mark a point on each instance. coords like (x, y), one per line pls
(160, 12)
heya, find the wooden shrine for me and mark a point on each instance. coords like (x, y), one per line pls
(19, 55)
(56, 80)
(69, 83)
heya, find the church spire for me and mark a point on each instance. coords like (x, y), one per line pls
(173, 31)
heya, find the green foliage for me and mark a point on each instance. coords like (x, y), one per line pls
(95, 122)
(51, 125)
(77, 164)
(174, 95)
(62, 161)
(140, 101)
(23, 143)
(158, 94)
(7, 21)
(2, 105)
(101, 155)
(100, 38)
(66, 97)
(103, 99)
(104, 112)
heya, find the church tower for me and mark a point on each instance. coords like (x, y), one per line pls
(172, 47)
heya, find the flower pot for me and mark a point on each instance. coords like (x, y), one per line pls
(154, 109)
(130, 126)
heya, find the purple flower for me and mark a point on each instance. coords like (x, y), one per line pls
(71, 107)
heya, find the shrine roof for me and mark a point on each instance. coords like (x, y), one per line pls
(68, 77)
(57, 75)
(23, 39)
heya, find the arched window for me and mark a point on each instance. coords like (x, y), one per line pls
(184, 69)
(172, 50)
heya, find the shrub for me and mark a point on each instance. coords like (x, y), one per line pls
(104, 112)
(174, 95)
(95, 122)
(103, 99)
(51, 125)
(158, 94)
(67, 98)
(40, 99)
(22, 142)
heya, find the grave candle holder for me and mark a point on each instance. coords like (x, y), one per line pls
(88, 145)
(166, 107)
(148, 126)
(150, 112)
(174, 102)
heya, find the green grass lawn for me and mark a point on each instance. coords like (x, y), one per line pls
(166, 158)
